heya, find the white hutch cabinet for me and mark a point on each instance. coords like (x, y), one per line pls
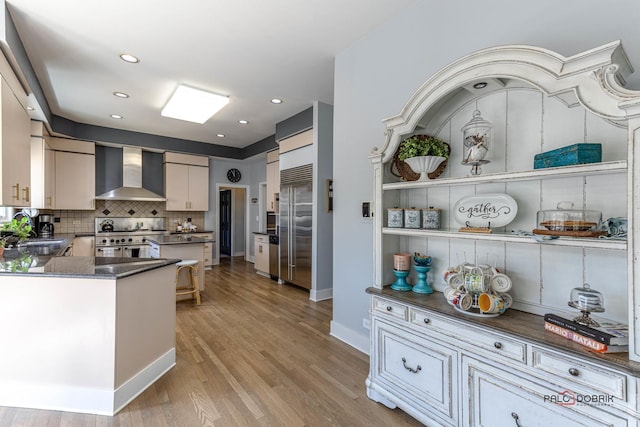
(449, 368)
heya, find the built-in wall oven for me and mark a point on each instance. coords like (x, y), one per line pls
(127, 238)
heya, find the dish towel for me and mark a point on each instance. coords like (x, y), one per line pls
(108, 251)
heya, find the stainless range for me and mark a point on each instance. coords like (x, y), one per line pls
(126, 237)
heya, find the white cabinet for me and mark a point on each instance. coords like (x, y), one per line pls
(16, 148)
(261, 254)
(75, 180)
(533, 110)
(208, 249)
(83, 246)
(444, 370)
(42, 168)
(273, 181)
(503, 397)
(186, 182)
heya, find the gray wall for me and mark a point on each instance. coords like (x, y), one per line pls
(375, 77)
(238, 224)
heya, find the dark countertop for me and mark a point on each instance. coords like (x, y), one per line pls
(182, 239)
(42, 258)
(522, 325)
(192, 232)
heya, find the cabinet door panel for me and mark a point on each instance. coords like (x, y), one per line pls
(16, 150)
(176, 186)
(75, 181)
(497, 397)
(198, 188)
(421, 372)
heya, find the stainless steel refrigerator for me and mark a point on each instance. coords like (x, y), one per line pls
(296, 197)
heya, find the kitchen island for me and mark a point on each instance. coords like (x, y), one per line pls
(180, 246)
(83, 334)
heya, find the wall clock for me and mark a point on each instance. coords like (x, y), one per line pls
(234, 175)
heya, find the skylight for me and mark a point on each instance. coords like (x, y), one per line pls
(193, 105)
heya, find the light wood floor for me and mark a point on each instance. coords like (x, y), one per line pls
(254, 353)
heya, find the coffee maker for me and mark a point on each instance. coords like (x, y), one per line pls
(45, 227)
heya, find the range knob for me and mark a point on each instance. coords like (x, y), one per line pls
(112, 240)
(104, 240)
(144, 239)
(130, 239)
(122, 240)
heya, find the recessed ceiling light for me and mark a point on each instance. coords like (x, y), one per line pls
(121, 94)
(220, 135)
(129, 58)
(30, 108)
(116, 116)
(243, 122)
(276, 101)
(480, 85)
(193, 105)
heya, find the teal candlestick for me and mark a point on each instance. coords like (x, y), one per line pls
(401, 281)
(421, 286)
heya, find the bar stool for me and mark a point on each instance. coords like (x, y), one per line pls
(194, 286)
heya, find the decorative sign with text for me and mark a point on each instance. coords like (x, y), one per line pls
(485, 210)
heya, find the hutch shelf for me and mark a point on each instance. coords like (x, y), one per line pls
(447, 368)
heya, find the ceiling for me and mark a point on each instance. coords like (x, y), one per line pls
(251, 51)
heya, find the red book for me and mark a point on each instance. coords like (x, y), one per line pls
(589, 343)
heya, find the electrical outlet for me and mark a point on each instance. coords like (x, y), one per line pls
(366, 323)
(76, 222)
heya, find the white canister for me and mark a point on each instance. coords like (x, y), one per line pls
(412, 218)
(431, 218)
(395, 217)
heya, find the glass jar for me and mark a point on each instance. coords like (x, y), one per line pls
(476, 135)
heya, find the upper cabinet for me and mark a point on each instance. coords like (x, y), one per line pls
(186, 182)
(42, 168)
(273, 180)
(16, 147)
(75, 174)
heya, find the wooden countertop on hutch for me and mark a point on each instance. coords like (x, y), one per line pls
(521, 325)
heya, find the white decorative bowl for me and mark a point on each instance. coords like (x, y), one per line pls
(424, 165)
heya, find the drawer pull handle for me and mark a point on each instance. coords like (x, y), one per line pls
(389, 308)
(497, 345)
(427, 321)
(516, 418)
(574, 372)
(410, 369)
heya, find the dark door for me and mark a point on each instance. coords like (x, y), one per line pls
(225, 222)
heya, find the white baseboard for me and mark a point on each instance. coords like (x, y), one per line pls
(349, 336)
(143, 379)
(320, 295)
(56, 397)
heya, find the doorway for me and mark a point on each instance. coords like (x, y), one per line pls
(232, 224)
(226, 220)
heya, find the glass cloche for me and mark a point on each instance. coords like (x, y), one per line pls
(588, 301)
(566, 218)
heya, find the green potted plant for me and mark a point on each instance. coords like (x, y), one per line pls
(423, 153)
(15, 231)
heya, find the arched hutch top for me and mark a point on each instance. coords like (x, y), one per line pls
(537, 100)
(594, 78)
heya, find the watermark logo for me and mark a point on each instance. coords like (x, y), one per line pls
(569, 398)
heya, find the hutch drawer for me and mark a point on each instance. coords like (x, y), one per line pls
(389, 308)
(578, 372)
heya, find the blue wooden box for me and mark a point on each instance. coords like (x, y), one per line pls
(575, 154)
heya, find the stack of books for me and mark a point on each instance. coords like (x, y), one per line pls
(609, 337)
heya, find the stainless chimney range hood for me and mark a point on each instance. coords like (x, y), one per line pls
(131, 180)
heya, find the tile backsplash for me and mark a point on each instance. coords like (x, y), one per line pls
(72, 221)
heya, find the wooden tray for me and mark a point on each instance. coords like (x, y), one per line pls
(570, 233)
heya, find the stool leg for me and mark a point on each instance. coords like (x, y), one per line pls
(196, 284)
